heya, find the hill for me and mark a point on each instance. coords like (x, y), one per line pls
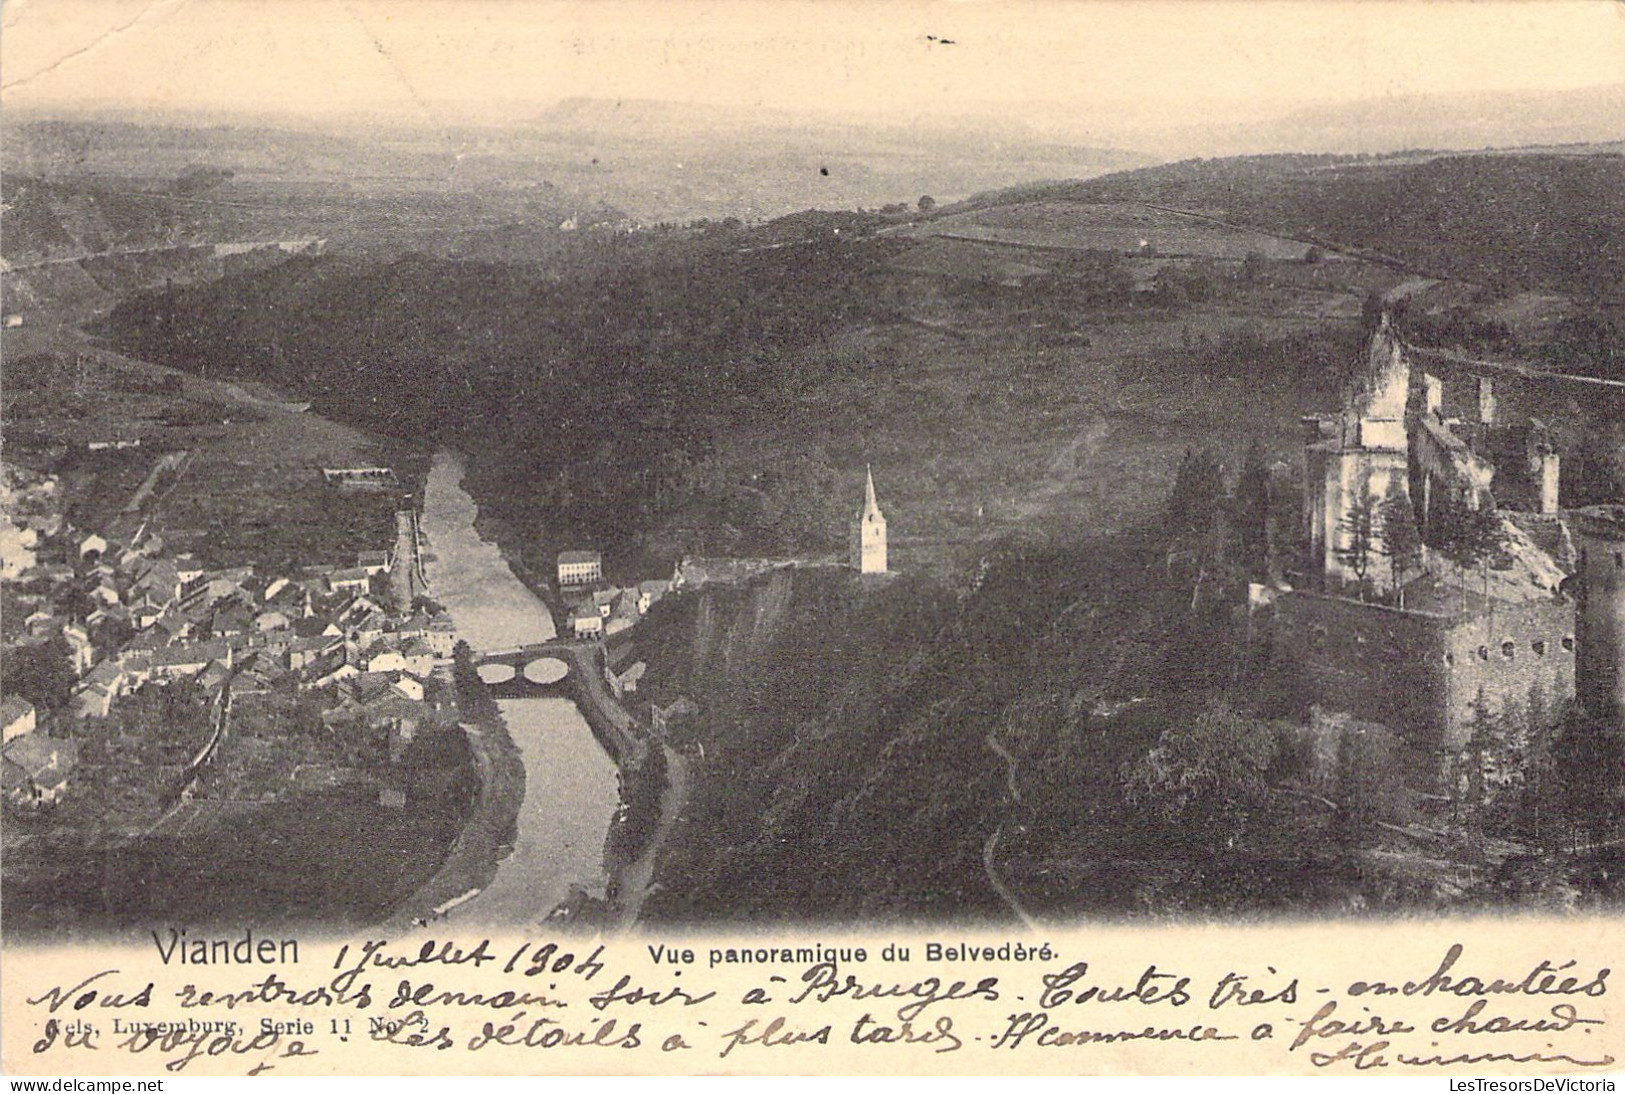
(1026, 707)
(47, 220)
(1538, 220)
(657, 161)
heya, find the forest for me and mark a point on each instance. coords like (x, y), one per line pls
(599, 391)
(1097, 728)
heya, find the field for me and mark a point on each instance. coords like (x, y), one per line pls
(249, 489)
(986, 428)
(1123, 227)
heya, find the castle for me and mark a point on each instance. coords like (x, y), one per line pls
(1397, 615)
(869, 532)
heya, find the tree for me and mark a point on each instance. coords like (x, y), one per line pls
(1358, 544)
(1092, 277)
(1209, 777)
(1376, 304)
(1252, 510)
(1169, 291)
(1485, 731)
(1468, 537)
(1590, 763)
(41, 672)
(1198, 487)
(1540, 770)
(1591, 342)
(1370, 782)
(927, 203)
(1594, 473)
(1401, 542)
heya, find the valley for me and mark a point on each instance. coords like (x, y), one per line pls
(1032, 375)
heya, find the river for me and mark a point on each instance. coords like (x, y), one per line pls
(571, 790)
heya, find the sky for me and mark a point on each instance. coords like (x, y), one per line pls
(436, 59)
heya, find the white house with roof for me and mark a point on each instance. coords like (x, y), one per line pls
(97, 692)
(585, 622)
(354, 579)
(580, 568)
(18, 715)
(188, 568)
(189, 659)
(37, 769)
(80, 647)
(441, 637)
(650, 592)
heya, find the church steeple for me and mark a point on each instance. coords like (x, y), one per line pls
(869, 531)
(871, 508)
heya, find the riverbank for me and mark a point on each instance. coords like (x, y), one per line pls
(651, 798)
(487, 836)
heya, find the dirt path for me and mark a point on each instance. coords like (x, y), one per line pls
(989, 851)
(1064, 468)
(633, 882)
(1009, 767)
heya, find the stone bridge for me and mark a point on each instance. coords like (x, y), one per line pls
(520, 672)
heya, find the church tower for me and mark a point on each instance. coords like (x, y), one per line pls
(869, 533)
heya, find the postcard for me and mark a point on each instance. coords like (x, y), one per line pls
(812, 538)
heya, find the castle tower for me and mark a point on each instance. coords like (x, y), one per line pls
(1353, 461)
(1600, 619)
(869, 532)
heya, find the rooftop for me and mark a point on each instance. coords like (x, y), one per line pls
(37, 754)
(13, 707)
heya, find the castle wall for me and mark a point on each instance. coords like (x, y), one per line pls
(1377, 663)
(1513, 653)
(1601, 624)
(1421, 674)
(1338, 478)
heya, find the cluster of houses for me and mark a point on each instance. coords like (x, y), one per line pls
(603, 612)
(130, 615)
(33, 767)
(30, 512)
(596, 609)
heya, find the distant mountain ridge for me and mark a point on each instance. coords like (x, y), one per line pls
(1385, 124)
(656, 160)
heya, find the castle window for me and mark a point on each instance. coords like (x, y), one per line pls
(1619, 560)
(1449, 658)
(1539, 646)
(1568, 642)
(1483, 653)
(1508, 650)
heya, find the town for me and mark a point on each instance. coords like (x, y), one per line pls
(189, 686)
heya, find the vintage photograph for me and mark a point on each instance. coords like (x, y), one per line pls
(641, 466)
